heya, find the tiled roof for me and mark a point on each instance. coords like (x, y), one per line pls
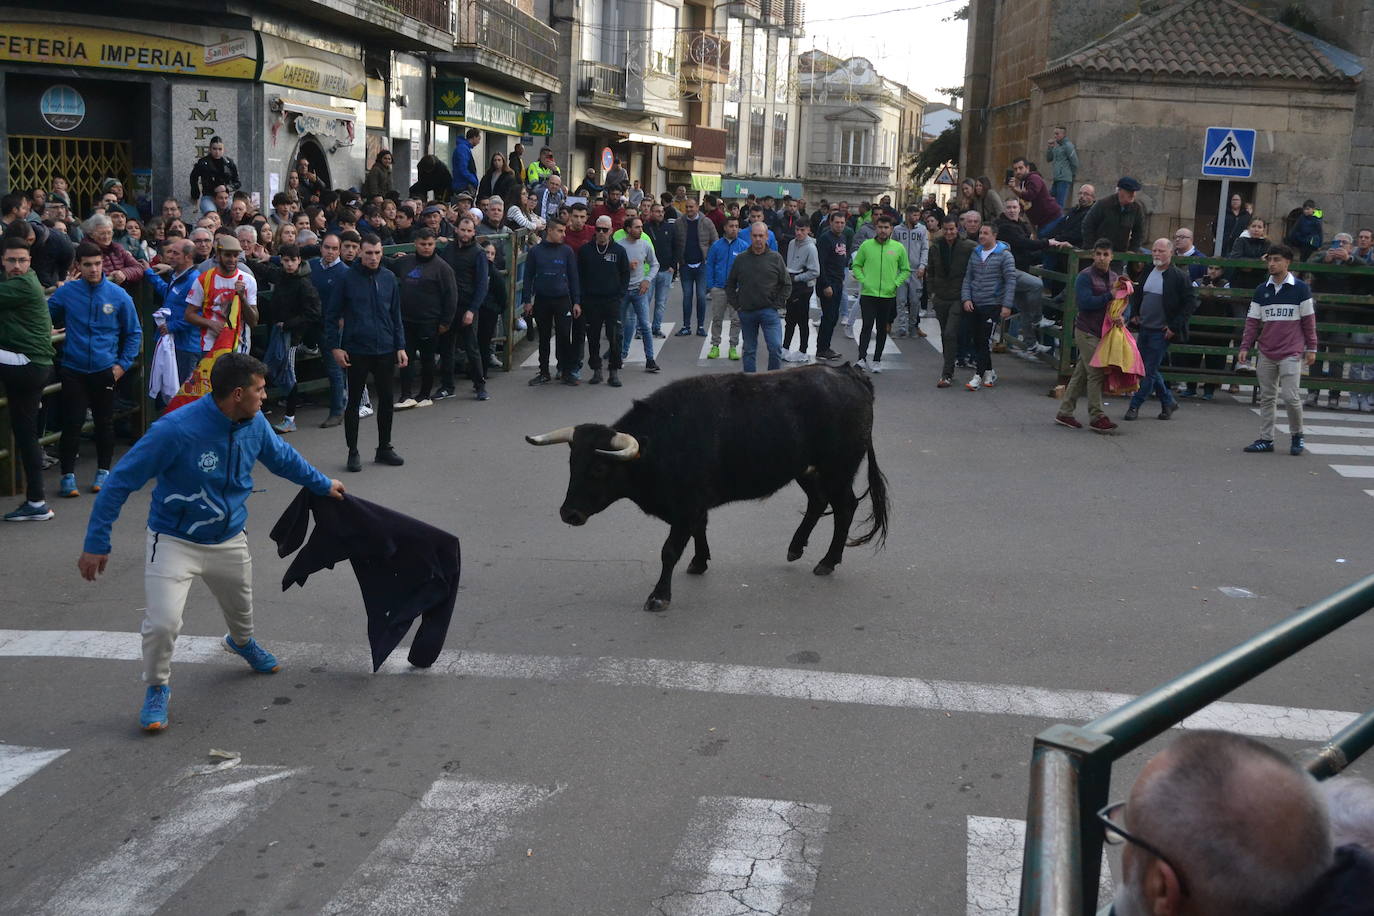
(1208, 39)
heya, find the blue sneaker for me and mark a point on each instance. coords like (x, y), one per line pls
(153, 716)
(258, 658)
(100, 476)
(27, 513)
(67, 486)
(287, 425)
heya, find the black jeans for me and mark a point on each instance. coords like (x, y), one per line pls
(422, 341)
(381, 367)
(830, 314)
(594, 316)
(486, 330)
(554, 316)
(24, 389)
(80, 390)
(880, 311)
(948, 313)
(798, 316)
(979, 324)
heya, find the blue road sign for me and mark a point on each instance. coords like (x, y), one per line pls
(1229, 152)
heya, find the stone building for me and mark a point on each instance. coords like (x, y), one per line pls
(852, 120)
(1137, 82)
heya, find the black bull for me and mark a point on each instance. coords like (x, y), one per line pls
(702, 442)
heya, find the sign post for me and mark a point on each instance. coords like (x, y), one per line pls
(1227, 152)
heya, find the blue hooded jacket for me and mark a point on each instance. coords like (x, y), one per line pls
(203, 462)
(721, 258)
(102, 325)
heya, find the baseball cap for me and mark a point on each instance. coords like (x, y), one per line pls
(432, 208)
(1127, 183)
(227, 243)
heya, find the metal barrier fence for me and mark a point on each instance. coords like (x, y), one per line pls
(311, 374)
(1214, 337)
(139, 413)
(1071, 764)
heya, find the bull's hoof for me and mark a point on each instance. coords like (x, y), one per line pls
(657, 604)
(823, 569)
(793, 553)
(697, 566)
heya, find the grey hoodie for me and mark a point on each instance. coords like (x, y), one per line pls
(803, 262)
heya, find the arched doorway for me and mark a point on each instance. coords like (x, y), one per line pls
(310, 150)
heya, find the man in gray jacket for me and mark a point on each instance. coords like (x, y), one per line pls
(1063, 157)
(804, 266)
(914, 236)
(756, 288)
(989, 287)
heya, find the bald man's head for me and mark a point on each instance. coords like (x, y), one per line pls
(1244, 829)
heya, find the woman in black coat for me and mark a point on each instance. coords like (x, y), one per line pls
(498, 180)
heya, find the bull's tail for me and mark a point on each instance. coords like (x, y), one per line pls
(877, 494)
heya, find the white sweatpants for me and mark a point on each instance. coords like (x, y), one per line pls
(170, 565)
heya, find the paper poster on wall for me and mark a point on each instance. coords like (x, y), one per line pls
(273, 184)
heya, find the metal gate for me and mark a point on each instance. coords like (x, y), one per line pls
(34, 161)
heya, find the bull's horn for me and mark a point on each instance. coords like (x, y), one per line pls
(564, 434)
(624, 447)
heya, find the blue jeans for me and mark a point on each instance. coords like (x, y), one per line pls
(663, 282)
(338, 384)
(750, 322)
(1153, 348)
(634, 312)
(1047, 230)
(693, 287)
(1060, 190)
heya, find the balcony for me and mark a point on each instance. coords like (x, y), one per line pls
(774, 11)
(407, 25)
(848, 173)
(600, 82)
(794, 17)
(705, 57)
(498, 42)
(750, 10)
(708, 148)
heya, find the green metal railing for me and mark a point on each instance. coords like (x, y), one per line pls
(1071, 764)
(1219, 335)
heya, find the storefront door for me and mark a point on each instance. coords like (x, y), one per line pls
(35, 161)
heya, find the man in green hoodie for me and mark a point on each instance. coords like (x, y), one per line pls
(880, 266)
(26, 355)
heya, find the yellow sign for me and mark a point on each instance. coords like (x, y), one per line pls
(191, 50)
(300, 66)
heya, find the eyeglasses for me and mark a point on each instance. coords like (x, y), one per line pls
(1114, 835)
(603, 228)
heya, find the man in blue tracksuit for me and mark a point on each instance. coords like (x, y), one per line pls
(719, 260)
(325, 271)
(464, 165)
(364, 335)
(202, 456)
(103, 338)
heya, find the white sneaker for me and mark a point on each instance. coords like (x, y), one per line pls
(405, 404)
(974, 383)
(793, 356)
(424, 403)
(364, 412)
(849, 331)
(1048, 323)
(864, 364)
(990, 378)
(876, 366)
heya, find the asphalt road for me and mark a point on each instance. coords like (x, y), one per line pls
(775, 742)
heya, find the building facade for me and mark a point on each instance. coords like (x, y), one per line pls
(852, 121)
(1137, 84)
(139, 96)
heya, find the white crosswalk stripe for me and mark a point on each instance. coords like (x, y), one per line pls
(636, 354)
(150, 866)
(993, 876)
(450, 836)
(892, 354)
(19, 763)
(746, 855)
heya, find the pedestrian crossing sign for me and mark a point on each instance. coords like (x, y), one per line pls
(1229, 152)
